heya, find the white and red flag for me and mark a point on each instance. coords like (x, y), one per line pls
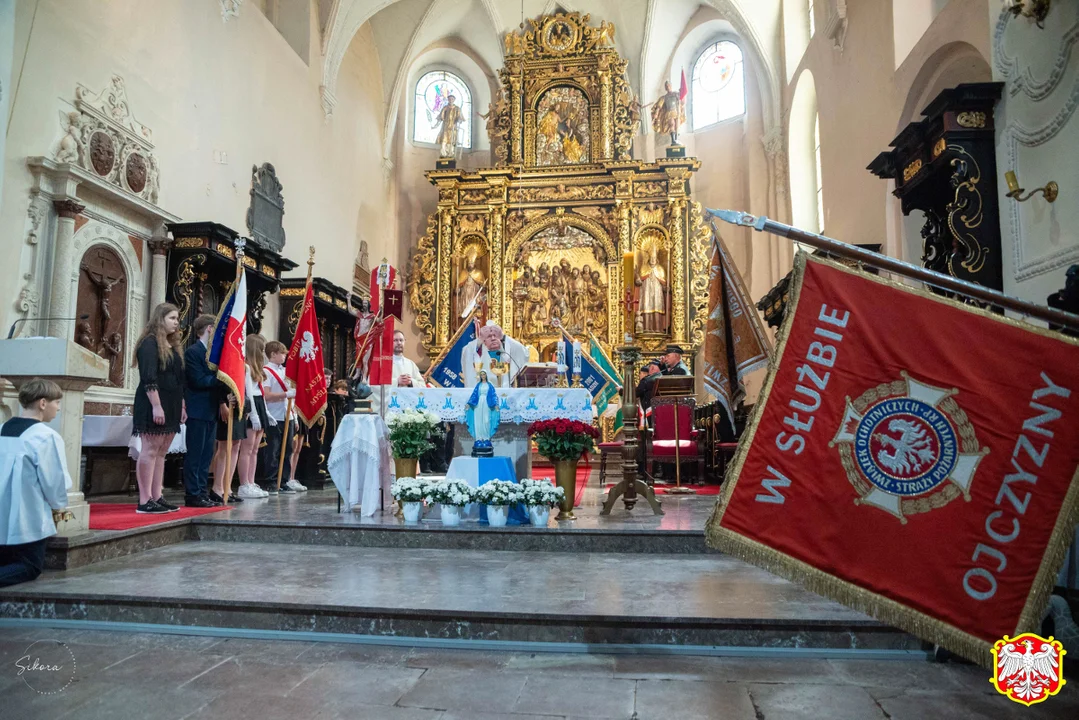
(226, 352)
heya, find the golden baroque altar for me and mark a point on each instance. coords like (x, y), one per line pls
(548, 232)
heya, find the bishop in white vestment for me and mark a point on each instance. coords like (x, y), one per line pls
(491, 337)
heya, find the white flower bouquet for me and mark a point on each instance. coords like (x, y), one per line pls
(450, 492)
(541, 493)
(499, 492)
(410, 432)
(408, 489)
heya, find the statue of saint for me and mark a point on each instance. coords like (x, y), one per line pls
(470, 281)
(653, 299)
(482, 416)
(449, 117)
(668, 113)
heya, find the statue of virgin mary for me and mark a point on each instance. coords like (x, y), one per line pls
(482, 417)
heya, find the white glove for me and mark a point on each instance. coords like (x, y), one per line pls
(291, 394)
(256, 424)
(271, 421)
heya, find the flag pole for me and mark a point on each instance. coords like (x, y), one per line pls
(904, 269)
(227, 484)
(288, 405)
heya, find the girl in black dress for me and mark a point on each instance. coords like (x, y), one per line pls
(159, 403)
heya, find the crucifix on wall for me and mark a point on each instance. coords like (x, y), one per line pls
(102, 273)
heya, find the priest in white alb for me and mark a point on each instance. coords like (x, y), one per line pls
(405, 372)
(491, 339)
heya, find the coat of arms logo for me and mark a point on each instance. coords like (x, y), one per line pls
(1028, 668)
(908, 447)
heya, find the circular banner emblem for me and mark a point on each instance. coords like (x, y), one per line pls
(907, 447)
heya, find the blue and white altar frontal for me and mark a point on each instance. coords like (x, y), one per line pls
(516, 405)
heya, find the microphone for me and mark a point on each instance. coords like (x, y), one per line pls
(11, 332)
(497, 355)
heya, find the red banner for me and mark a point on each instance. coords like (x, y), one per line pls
(911, 457)
(381, 366)
(304, 365)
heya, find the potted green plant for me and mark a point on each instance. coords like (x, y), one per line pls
(410, 437)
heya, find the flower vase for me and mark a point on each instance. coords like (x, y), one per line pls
(412, 512)
(539, 515)
(497, 515)
(565, 475)
(451, 515)
(402, 468)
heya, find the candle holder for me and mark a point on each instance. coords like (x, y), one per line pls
(561, 381)
(576, 380)
(630, 486)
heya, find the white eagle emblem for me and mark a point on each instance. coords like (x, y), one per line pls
(307, 347)
(1027, 673)
(909, 452)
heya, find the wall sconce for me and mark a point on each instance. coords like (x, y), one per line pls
(1034, 9)
(1015, 192)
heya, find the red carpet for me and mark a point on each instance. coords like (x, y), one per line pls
(583, 473)
(701, 490)
(121, 516)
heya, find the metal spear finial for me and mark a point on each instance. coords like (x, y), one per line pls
(737, 217)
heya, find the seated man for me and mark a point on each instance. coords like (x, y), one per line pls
(35, 484)
(490, 337)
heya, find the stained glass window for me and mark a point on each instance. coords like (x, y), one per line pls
(432, 94)
(719, 84)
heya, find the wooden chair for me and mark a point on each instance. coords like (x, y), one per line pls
(661, 444)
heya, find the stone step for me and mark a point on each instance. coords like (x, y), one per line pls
(695, 601)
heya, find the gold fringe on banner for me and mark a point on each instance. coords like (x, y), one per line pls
(882, 608)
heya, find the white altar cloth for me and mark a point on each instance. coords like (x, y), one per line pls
(360, 461)
(115, 431)
(516, 405)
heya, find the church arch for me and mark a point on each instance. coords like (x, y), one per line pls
(591, 227)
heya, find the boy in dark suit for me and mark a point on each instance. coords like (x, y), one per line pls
(203, 396)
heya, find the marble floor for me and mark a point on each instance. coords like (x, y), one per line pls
(121, 676)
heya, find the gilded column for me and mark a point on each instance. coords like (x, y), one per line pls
(607, 113)
(62, 262)
(159, 249)
(678, 287)
(497, 281)
(516, 122)
(445, 273)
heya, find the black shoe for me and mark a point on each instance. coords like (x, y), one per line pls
(270, 488)
(201, 502)
(218, 500)
(286, 490)
(151, 508)
(167, 505)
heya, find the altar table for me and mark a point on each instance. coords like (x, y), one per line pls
(518, 407)
(476, 472)
(360, 462)
(115, 431)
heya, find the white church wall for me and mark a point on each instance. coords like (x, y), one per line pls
(1037, 136)
(220, 96)
(861, 98)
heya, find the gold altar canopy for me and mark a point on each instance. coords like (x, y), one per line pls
(544, 233)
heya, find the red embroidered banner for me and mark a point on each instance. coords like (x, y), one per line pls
(304, 364)
(911, 457)
(381, 366)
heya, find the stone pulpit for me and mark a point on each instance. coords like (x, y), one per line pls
(74, 369)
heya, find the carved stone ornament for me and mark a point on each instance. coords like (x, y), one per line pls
(230, 9)
(267, 209)
(102, 136)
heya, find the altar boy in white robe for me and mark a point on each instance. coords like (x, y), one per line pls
(491, 337)
(34, 481)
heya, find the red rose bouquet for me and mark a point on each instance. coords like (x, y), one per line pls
(563, 439)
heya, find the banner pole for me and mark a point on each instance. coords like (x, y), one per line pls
(905, 269)
(284, 442)
(240, 243)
